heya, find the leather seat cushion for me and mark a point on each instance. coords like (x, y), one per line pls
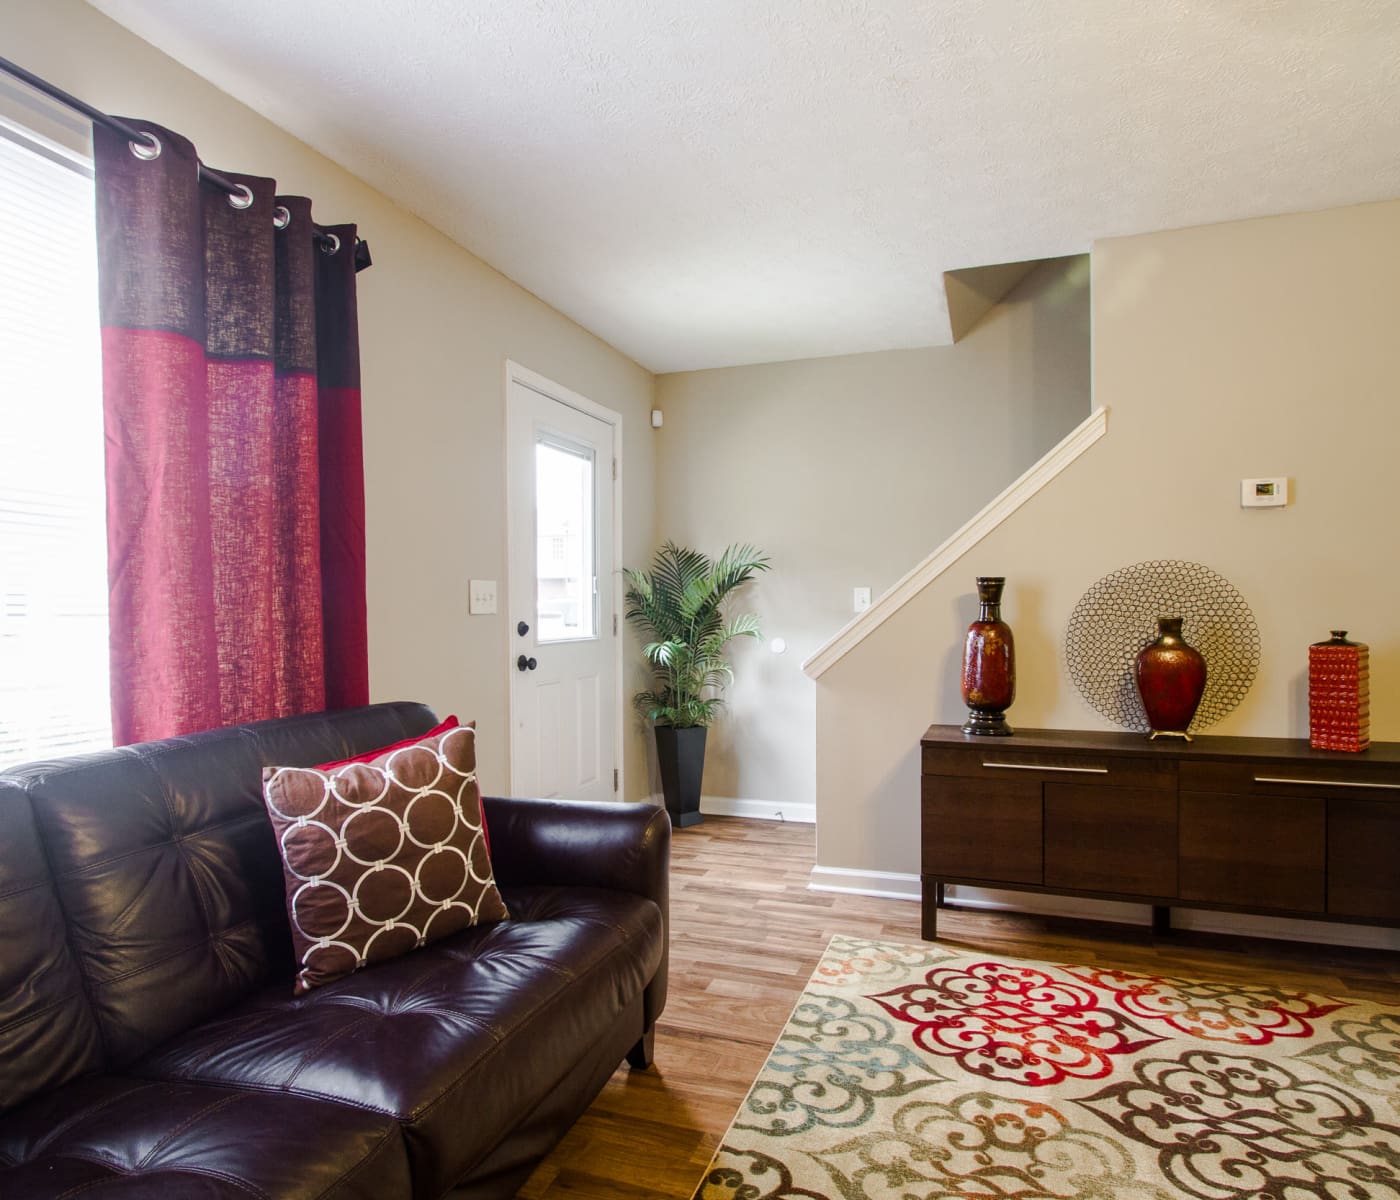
(106, 1136)
(454, 1040)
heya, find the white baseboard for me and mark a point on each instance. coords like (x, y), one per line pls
(1049, 906)
(1284, 929)
(891, 885)
(759, 810)
(763, 810)
(1363, 937)
(900, 886)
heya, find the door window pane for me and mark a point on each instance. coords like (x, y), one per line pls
(565, 586)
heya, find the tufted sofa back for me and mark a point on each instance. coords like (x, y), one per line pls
(141, 888)
(47, 1030)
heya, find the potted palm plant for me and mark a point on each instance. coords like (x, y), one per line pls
(677, 605)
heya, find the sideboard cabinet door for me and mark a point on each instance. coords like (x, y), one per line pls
(982, 829)
(1254, 851)
(1110, 839)
(1363, 858)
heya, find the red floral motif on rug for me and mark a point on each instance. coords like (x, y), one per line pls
(1014, 1023)
(1223, 1012)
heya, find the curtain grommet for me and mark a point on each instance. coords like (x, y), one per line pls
(281, 218)
(146, 153)
(330, 245)
(243, 198)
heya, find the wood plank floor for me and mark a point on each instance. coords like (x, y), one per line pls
(746, 935)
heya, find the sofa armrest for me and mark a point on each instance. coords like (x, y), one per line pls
(576, 843)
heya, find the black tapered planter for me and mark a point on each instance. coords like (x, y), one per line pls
(680, 753)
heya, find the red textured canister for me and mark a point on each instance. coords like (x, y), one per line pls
(1339, 694)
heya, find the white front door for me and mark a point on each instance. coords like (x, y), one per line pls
(563, 636)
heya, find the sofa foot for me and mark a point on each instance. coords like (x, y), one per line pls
(639, 1058)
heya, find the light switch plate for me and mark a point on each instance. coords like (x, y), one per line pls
(860, 599)
(1264, 493)
(483, 597)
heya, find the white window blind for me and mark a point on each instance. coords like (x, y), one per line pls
(54, 697)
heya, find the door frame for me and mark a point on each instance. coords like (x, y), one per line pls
(515, 373)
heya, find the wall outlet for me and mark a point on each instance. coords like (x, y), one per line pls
(860, 599)
(1263, 493)
(483, 597)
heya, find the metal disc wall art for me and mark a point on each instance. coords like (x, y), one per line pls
(1117, 617)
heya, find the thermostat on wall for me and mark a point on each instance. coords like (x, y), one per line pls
(1263, 493)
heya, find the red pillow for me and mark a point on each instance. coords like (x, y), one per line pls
(369, 755)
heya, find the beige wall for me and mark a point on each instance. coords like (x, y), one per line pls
(848, 471)
(437, 325)
(1262, 347)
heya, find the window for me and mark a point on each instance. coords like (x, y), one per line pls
(54, 697)
(566, 586)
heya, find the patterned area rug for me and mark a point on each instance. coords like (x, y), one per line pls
(909, 1072)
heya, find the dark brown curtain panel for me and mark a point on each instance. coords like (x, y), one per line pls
(235, 477)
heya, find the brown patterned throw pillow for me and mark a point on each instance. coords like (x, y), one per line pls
(381, 857)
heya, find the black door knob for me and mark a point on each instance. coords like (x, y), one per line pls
(522, 629)
(525, 664)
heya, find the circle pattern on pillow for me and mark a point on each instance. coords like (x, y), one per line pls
(382, 857)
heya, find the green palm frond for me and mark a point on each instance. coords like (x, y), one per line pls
(744, 625)
(696, 600)
(736, 567)
(718, 677)
(679, 603)
(663, 654)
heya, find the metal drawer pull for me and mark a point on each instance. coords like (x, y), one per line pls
(1033, 767)
(1348, 783)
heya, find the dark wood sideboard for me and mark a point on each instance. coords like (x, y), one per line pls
(1258, 825)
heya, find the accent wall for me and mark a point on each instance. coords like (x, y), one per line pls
(1253, 348)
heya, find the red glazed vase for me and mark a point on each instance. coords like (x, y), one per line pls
(989, 664)
(1339, 694)
(1171, 678)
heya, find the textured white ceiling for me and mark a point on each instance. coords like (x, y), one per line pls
(712, 182)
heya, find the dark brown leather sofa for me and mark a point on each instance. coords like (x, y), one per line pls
(150, 1044)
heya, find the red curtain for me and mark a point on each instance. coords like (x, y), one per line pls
(235, 476)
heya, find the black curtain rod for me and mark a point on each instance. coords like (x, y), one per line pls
(132, 134)
(139, 137)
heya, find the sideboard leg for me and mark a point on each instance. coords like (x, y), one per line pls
(929, 909)
(1161, 920)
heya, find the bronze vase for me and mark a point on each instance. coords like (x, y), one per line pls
(1171, 679)
(989, 664)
